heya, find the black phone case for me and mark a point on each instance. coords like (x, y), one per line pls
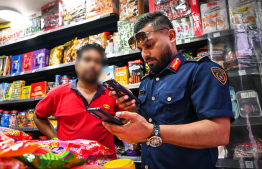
(113, 85)
(103, 115)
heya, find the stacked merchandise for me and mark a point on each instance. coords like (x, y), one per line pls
(100, 7)
(74, 11)
(34, 24)
(130, 8)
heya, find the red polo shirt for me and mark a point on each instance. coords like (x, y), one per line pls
(74, 122)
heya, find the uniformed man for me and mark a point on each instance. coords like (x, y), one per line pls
(185, 109)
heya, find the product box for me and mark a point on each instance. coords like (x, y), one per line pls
(74, 11)
(26, 92)
(51, 15)
(136, 71)
(17, 89)
(196, 18)
(125, 31)
(214, 16)
(100, 7)
(39, 89)
(9, 92)
(16, 33)
(3, 89)
(100, 38)
(40, 58)
(16, 64)
(34, 24)
(130, 8)
(108, 73)
(184, 28)
(5, 65)
(121, 74)
(27, 62)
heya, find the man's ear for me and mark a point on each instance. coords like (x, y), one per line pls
(172, 35)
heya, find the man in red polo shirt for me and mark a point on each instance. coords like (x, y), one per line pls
(69, 102)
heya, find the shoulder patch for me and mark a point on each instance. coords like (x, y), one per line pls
(175, 64)
(219, 74)
(144, 77)
(196, 59)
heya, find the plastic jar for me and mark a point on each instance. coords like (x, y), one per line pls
(12, 118)
(21, 119)
(57, 80)
(5, 119)
(29, 118)
(65, 79)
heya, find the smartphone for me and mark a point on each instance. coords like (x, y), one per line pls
(113, 85)
(104, 116)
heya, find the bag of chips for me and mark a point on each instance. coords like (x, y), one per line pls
(11, 163)
(15, 134)
(56, 55)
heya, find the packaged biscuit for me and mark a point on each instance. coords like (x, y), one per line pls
(17, 89)
(136, 70)
(78, 44)
(16, 64)
(130, 8)
(3, 89)
(5, 65)
(69, 52)
(26, 91)
(27, 61)
(101, 39)
(56, 55)
(73, 11)
(40, 58)
(34, 24)
(98, 7)
(214, 16)
(121, 74)
(39, 89)
(9, 92)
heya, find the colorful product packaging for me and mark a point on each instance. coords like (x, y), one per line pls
(196, 18)
(74, 11)
(51, 15)
(9, 92)
(5, 65)
(34, 25)
(3, 89)
(17, 89)
(40, 58)
(39, 89)
(100, 7)
(56, 55)
(16, 64)
(108, 73)
(136, 70)
(121, 74)
(26, 91)
(130, 8)
(100, 38)
(27, 61)
(214, 16)
(184, 28)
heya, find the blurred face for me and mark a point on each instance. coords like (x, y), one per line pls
(157, 52)
(90, 65)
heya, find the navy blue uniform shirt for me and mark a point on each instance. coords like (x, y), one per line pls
(194, 92)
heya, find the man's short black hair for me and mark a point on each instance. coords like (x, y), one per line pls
(95, 46)
(157, 19)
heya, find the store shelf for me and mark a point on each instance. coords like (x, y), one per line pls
(26, 129)
(247, 71)
(136, 159)
(133, 86)
(15, 102)
(254, 121)
(232, 164)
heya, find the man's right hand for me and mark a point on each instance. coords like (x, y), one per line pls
(121, 101)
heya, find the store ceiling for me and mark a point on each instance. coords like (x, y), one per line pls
(26, 7)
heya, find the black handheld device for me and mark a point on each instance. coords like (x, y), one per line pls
(113, 85)
(104, 116)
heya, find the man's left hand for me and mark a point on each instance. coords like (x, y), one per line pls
(134, 131)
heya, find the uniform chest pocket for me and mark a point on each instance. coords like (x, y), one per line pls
(172, 105)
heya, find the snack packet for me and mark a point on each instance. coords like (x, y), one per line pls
(56, 55)
(15, 134)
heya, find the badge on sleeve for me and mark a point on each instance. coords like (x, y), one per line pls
(220, 74)
(106, 106)
(175, 64)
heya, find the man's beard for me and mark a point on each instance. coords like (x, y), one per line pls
(88, 80)
(166, 57)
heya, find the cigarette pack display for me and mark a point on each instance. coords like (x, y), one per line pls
(3, 89)
(17, 89)
(196, 18)
(100, 38)
(136, 70)
(248, 103)
(26, 91)
(5, 65)
(121, 74)
(235, 110)
(214, 16)
(34, 24)
(9, 92)
(27, 62)
(16, 64)
(39, 89)
(74, 11)
(99, 7)
(51, 15)
(40, 58)
(130, 8)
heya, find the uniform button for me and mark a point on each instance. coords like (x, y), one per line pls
(169, 99)
(150, 120)
(153, 98)
(146, 166)
(157, 79)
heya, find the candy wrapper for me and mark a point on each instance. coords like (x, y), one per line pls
(78, 44)
(5, 141)
(12, 163)
(15, 134)
(69, 52)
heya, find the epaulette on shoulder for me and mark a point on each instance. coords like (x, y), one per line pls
(144, 77)
(197, 59)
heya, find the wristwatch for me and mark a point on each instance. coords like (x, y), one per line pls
(155, 139)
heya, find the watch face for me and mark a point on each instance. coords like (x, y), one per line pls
(155, 141)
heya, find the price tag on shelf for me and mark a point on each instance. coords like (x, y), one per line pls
(33, 71)
(13, 74)
(242, 72)
(22, 73)
(249, 164)
(217, 34)
(187, 40)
